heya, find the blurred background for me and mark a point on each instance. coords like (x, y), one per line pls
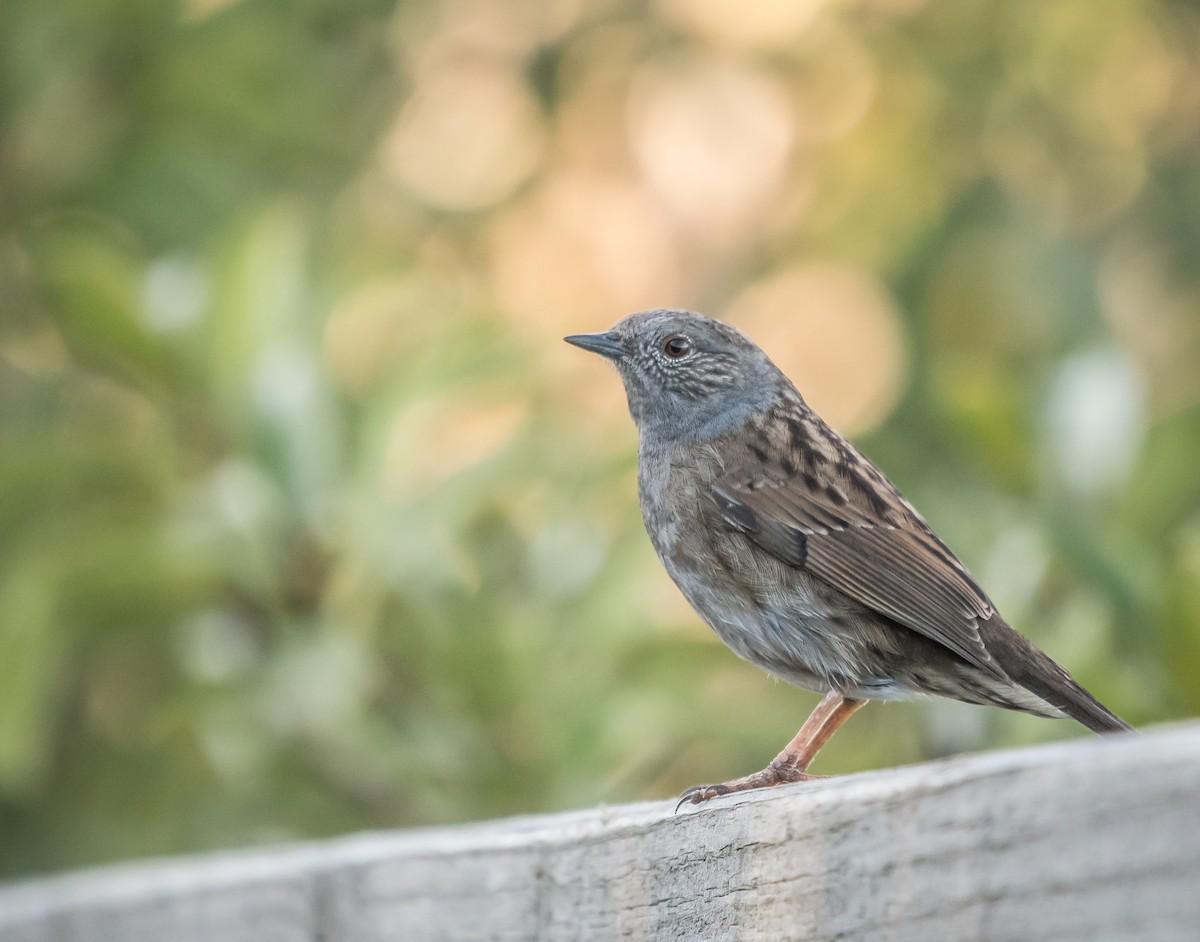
(309, 521)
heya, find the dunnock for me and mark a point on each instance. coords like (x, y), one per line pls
(797, 550)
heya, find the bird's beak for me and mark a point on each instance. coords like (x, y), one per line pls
(607, 344)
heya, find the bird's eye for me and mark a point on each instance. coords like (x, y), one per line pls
(677, 347)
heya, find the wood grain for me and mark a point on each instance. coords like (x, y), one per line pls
(1093, 840)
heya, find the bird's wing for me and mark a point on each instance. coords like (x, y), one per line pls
(891, 562)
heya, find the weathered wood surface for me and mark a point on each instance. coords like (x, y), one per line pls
(1093, 840)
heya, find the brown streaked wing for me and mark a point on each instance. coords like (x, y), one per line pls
(902, 571)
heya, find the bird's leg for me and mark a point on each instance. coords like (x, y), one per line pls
(791, 765)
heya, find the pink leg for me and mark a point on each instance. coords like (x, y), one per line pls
(791, 765)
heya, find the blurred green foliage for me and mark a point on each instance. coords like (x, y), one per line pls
(308, 520)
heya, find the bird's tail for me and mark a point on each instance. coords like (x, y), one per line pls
(1038, 673)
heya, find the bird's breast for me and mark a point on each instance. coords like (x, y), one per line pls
(672, 490)
(767, 611)
(713, 566)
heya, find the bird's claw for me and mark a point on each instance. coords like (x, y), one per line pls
(768, 777)
(701, 793)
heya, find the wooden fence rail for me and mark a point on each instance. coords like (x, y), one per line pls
(1092, 840)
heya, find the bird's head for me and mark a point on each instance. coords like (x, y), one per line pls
(686, 374)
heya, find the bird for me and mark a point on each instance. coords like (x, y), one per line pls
(798, 551)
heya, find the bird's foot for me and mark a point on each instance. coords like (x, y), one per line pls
(768, 777)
